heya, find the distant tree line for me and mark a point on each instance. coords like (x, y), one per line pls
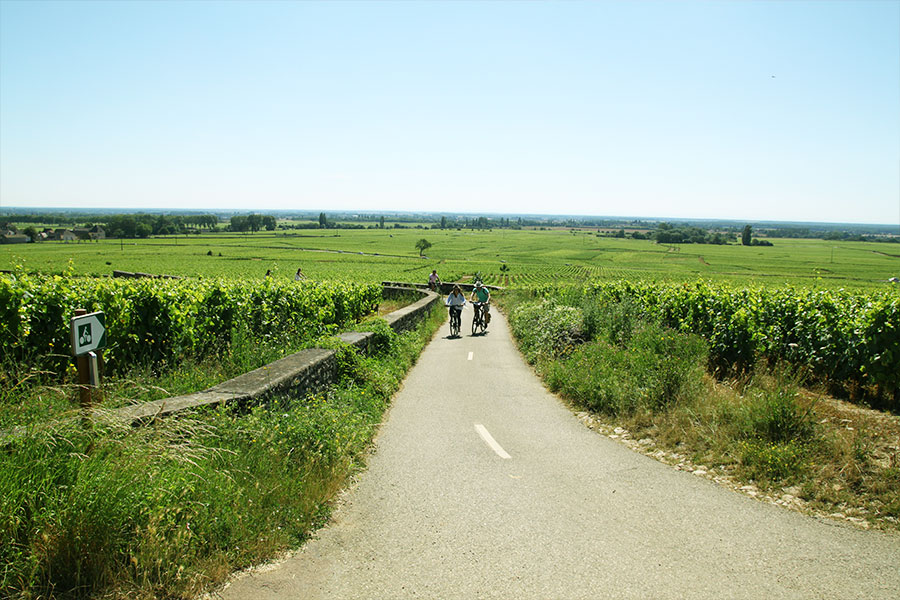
(830, 234)
(849, 237)
(138, 224)
(252, 222)
(128, 225)
(324, 222)
(482, 222)
(55, 218)
(144, 225)
(667, 233)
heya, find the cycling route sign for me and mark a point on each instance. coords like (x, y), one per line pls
(88, 333)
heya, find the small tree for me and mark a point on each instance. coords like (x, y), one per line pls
(143, 230)
(422, 245)
(240, 223)
(746, 235)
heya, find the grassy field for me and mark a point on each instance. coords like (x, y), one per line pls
(504, 257)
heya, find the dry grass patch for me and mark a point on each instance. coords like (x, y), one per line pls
(847, 468)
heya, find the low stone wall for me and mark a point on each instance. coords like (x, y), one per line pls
(301, 373)
(408, 317)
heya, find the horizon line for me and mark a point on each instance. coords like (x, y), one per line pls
(137, 210)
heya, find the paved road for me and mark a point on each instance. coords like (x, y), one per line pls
(441, 513)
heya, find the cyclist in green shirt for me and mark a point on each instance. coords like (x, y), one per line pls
(481, 294)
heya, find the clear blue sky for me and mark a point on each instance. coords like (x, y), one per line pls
(744, 110)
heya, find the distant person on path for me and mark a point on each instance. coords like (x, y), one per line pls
(483, 295)
(456, 300)
(433, 281)
(299, 276)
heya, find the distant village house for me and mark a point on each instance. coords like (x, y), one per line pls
(75, 235)
(94, 233)
(65, 235)
(13, 237)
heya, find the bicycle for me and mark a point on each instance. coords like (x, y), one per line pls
(455, 320)
(479, 325)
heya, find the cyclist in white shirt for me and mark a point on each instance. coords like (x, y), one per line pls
(456, 300)
(434, 281)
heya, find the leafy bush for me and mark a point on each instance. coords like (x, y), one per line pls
(547, 328)
(384, 337)
(610, 320)
(654, 369)
(776, 416)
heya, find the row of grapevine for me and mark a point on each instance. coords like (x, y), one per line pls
(845, 337)
(162, 321)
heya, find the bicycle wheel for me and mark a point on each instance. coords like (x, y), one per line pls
(454, 326)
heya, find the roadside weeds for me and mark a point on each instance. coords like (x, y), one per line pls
(862, 490)
(760, 432)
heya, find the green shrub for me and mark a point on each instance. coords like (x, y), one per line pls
(384, 338)
(547, 328)
(613, 321)
(596, 376)
(657, 368)
(775, 416)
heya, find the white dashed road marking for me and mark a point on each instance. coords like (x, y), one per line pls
(471, 354)
(490, 441)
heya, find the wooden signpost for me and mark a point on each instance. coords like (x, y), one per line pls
(88, 338)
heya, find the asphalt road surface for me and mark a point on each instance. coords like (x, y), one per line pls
(483, 485)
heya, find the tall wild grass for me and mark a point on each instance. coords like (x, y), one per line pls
(163, 511)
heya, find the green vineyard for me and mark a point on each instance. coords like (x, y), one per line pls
(845, 338)
(160, 322)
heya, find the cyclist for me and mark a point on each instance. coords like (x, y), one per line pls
(480, 294)
(456, 300)
(434, 281)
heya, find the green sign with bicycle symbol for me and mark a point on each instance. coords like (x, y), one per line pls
(88, 333)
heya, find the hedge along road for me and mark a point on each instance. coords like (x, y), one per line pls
(483, 485)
